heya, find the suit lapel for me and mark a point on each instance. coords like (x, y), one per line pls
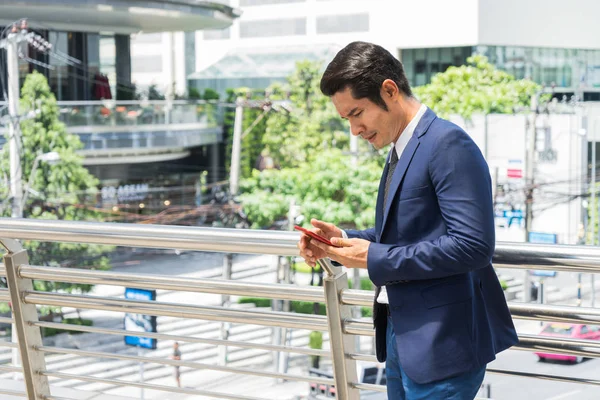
(382, 211)
(401, 168)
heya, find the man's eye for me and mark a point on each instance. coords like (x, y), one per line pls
(358, 114)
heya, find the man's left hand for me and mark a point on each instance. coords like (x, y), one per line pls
(352, 253)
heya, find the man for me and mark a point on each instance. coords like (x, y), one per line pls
(440, 314)
(177, 356)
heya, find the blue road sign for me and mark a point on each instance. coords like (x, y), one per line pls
(139, 322)
(543, 238)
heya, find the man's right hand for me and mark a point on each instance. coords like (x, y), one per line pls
(310, 252)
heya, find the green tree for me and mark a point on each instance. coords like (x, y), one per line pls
(313, 124)
(329, 188)
(252, 142)
(477, 87)
(60, 190)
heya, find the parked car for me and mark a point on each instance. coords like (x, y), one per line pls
(571, 331)
(373, 373)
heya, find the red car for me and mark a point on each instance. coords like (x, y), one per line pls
(572, 331)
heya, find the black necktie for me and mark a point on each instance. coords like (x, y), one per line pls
(390, 175)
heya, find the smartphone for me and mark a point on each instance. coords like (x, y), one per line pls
(315, 236)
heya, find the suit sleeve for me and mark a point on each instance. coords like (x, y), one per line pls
(462, 184)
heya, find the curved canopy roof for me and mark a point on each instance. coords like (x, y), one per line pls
(265, 62)
(119, 16)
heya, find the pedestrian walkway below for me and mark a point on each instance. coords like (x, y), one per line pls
(19, 386)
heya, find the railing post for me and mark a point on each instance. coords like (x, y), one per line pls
(225, 302)
(344, 369)
(29, 336)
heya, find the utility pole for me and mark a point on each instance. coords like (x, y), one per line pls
(236, 148)
(11, 45)
(529, 185)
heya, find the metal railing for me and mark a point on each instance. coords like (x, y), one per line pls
(338, 298)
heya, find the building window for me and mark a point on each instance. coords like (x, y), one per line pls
(420, 65)
(247, 3)
(273, 27)
(151, 63)
(343, 23)
(217, 34)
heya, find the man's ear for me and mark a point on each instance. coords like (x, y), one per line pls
(389, 88)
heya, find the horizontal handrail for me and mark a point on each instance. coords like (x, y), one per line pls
(4, 295)
(8, 368)
(210, 313)
(13, 393)
(548, 256)
(554, 313)
(9, 344)
(544, 376)
(370, 387)
(155, 236)
(533, 256)
(194, 365)
(561, 345)
(181, 338)
(165, 282)
(117, 382)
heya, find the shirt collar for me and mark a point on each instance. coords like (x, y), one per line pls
(409, 130)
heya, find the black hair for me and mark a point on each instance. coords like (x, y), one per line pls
(363, 67)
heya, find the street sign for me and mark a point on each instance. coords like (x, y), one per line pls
(542, 238)
(139, 322)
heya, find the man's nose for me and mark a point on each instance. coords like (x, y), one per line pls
(356, 130)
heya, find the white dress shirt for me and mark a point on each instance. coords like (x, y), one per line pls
(399, 147)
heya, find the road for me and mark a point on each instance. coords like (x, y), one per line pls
(518, 388)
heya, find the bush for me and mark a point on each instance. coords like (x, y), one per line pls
(48, 332)
(259, 302)
(300, 307)
(503, 284)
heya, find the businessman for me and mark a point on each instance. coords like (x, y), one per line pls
(440, 314)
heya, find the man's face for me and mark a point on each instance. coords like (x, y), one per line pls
(368, 120)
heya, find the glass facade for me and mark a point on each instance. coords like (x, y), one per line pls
(568, 69)
(421, 64)
(75, 67)
(564, 68)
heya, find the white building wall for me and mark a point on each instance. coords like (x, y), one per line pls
(540, 23)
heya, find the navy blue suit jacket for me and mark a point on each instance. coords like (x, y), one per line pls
(432, 247)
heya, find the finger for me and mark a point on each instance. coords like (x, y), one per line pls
(325, 226)
(340, 242)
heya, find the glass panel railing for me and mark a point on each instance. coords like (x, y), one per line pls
(127, 113)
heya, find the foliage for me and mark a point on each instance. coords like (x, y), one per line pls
(477, 87)
(329, 188)
(127, 92)
(60, 190)
(194, 94)
(503, 284)
(210, 94)
(313, 124)
(47, 332)
(252, 142)
(315, 340)
(258, 302)
(301, 307)
(154, 94)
